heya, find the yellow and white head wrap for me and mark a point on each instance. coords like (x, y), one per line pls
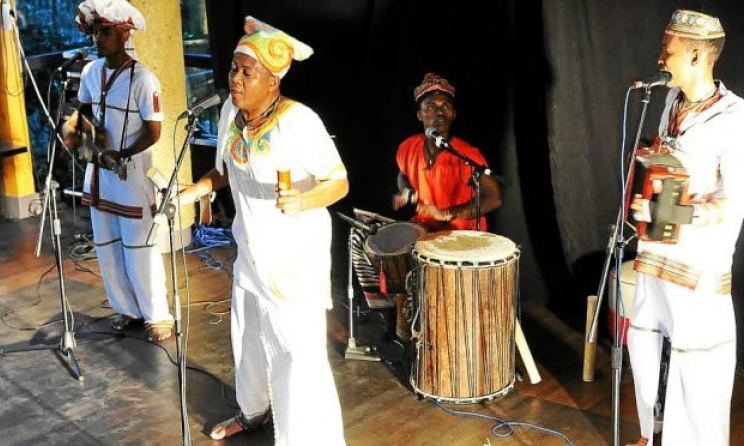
(273, 48)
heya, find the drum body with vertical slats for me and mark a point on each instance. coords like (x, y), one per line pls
(465, 305)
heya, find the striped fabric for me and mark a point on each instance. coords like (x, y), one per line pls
(116, 208)
(677, 272)
(366, 273)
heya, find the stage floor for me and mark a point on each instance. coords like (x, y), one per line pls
(130, 395)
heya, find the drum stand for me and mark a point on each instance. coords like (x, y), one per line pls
(353, 350)
(616, 247)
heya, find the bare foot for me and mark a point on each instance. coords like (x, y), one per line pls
(227, 428)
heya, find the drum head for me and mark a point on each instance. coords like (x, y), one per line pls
(465, 247)
(394, 238)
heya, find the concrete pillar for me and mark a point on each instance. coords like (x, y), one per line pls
(160, 48)
(17, 185)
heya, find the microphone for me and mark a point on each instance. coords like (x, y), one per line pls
(439, 140)
(157, 178)
(79, 55)
(370, 229)
(204, 104)
(656, 79)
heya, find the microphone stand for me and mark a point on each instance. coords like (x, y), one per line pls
(168, 210)
(616, 247)
(67, 342)
(475, 175)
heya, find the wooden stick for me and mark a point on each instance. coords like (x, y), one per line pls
(590, 349)
(524, 352)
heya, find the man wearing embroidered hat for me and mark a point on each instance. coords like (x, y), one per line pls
(121, 111)
(436, 181)
(683, 290)
(281, 286)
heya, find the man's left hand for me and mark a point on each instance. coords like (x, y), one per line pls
(431, 211)
(289, 201)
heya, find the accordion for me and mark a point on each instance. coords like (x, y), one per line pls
(660, 178)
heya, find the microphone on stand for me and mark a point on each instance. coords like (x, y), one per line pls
(442, 143)
(161, 183)
(199, 107)
(654, 80)
(79, 55)
(370, 229)
(157, 178)
(439, 140)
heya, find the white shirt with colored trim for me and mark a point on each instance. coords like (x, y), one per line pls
(711, 148)
(145, 104)
(285, 257)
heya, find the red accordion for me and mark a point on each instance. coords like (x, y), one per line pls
(669, 204)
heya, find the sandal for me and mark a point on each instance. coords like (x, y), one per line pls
(239, 423)
(159, 331)
(122, 321)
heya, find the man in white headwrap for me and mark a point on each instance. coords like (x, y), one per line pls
(683, 290)
(121, 112)
(282, 284)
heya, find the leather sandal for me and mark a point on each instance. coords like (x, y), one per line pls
(239, 423)
(159, 331)
(642, 441)
(122, 321)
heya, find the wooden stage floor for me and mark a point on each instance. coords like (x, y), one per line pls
(130, 393)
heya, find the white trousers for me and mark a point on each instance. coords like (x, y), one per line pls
(700, 325)
(133, 274)
(281, 361)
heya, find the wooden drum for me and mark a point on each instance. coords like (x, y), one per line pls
(466, 308)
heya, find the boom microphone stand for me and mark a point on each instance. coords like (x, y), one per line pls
(616, 248)
(476, 170)
(166, 210)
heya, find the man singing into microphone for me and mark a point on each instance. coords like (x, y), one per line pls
(434, 180)
(683, 290)
(120, 116)
(282, 275)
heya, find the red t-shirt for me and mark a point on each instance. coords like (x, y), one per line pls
(445, 184)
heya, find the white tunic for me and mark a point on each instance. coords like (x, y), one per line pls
(124, 198)
(286, 257)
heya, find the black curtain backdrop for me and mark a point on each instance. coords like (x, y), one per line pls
(540, 88)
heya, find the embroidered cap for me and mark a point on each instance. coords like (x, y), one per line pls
(433, 82)
(694, 25)
(275, 49)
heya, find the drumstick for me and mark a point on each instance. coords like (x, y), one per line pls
(524, 352)
(373, 215)
(590, 349)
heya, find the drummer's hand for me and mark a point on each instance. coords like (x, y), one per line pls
(289, 201)
(431, 211)
(399, 200)
(641, 209)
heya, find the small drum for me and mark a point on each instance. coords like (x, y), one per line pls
(626, 307)
(466, 311)
(389, 250)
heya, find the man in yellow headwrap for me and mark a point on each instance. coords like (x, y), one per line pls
(120, 100)
(282, 283)
(683, 290)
